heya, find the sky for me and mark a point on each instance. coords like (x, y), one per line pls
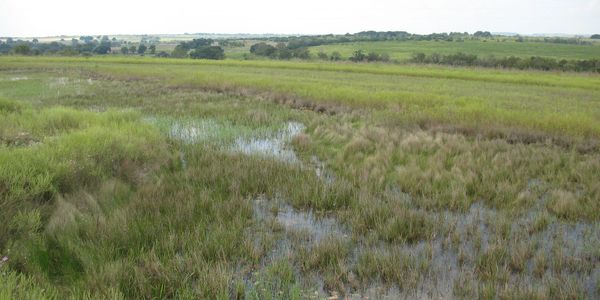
(37, 18)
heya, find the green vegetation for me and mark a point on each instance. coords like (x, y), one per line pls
(503, 47)
(139, 177)
(512, 62)
(480, 48)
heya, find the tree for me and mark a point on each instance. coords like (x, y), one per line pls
(595, 36)
(263, 49)
(372, 56)
(482, 34)
(103, 48)
(180, 51)
(133, 49)
(124, 50)
(142, 49)
(208, 52)
(301, 53)
(322, 55)
(358, 55)
(197, 43)
(87, 39)
(162, 54)
(68, 51)
(152, 49)
(335, 56)
(284, 53)
(419, 57)
(22, 49)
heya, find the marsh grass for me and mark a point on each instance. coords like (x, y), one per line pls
(104, 199)
(475, 99)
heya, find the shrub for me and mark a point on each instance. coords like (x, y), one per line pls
(208, 52)
(162, 54)
(335, 56)
(263, 49)
(22, 49)
(357, 56)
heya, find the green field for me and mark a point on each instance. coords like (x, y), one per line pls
(139, 177)
(403, 50)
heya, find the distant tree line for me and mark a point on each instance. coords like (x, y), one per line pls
(101, 45)
(199, 49)
(555, 40)
(84, 45)
(361, 56)
(595, 37)
(285, 52)
(280, 51)
(533, 62)
(295, 42)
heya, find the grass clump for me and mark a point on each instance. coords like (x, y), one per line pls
(277, 281)
(15, 285)
(409, 226)
(10, 106)
(492, 264)
(76, 152)
(392, 266)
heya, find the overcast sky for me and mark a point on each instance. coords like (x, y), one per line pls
(25, 18)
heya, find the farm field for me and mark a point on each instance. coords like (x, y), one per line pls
(141, 177)
(403, 50)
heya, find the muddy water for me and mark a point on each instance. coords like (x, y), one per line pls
(269, 145)
(195, 132)
(474, 228)
(316, 228)
(300, 229)
(321, 171)
(273, 146)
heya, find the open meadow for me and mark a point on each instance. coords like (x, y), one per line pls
(142, 177)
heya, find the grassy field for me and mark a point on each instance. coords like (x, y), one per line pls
(164, 178)
(403, 50)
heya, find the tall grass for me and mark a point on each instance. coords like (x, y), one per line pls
(541, 103)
